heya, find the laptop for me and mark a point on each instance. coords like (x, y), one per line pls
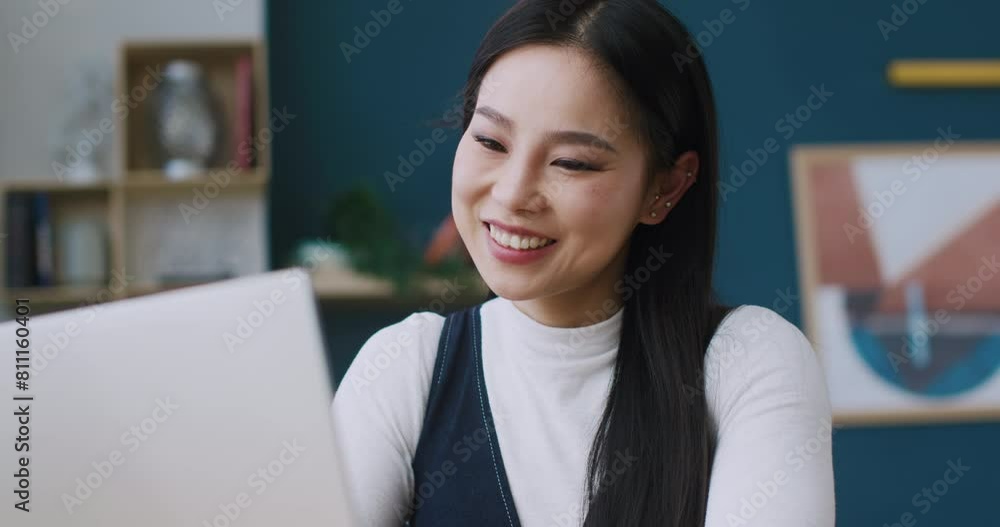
(207, 406)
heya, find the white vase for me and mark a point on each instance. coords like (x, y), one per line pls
(186, 126)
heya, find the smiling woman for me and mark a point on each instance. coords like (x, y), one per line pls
(603, 383)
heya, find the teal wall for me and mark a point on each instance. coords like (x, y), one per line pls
(355, 119)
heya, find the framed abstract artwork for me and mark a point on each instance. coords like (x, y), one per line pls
(899, 264)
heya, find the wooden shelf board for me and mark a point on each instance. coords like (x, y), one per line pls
(358, 287)
(52, 185)
(141, 50)
(137, 181)
(332, 285)
(155, 180)
(327, 287)
(58, 294)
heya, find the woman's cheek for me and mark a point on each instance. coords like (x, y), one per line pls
(596, 207)
(463, 187)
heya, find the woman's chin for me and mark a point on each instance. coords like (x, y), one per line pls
(506, 288)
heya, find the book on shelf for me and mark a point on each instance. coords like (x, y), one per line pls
(44, 260)
(29, 251)
(243, 116)
(29, 248)
(20, 242)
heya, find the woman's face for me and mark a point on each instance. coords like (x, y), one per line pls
(551, 150)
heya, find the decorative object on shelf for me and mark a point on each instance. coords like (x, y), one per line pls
(171, 250)
(80, 147)
(366, 228)
(898, 252)
(321, 255)
(186, 121)
(81, 247)
(446, 255)
(446, 243)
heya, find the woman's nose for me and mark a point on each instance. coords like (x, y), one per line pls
(518, 189)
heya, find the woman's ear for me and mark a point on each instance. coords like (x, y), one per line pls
(667, 188)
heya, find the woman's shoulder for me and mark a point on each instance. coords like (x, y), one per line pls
(378, 407)
(403, 351)
(757, 327)
(380, 400)
(416, 329)
(771, 416)
(756, 355)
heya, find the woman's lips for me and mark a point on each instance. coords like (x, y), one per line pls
(515, 256)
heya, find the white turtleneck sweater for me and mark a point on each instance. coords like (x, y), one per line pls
(547, 387)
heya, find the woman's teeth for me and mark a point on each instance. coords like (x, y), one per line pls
(515, 241)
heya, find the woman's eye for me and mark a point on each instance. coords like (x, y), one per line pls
(573, 164)
(490, 144)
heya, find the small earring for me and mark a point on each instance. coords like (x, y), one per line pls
(668, 204)
(689, 174)
(653, 214)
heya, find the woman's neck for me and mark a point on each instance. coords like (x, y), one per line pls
(583, 306)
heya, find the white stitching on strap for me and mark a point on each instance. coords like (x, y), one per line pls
(447, 340)
(479, 382)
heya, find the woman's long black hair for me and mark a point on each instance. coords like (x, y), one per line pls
(656, 412)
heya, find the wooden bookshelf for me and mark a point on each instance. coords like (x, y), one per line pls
(135, 199)
(139, 205)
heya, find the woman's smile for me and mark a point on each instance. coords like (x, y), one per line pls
(513, 248)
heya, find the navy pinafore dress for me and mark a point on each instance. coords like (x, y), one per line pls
(459, 476)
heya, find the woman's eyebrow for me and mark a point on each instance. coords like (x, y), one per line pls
(494, 115)
(579, 138)
(558, 136)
